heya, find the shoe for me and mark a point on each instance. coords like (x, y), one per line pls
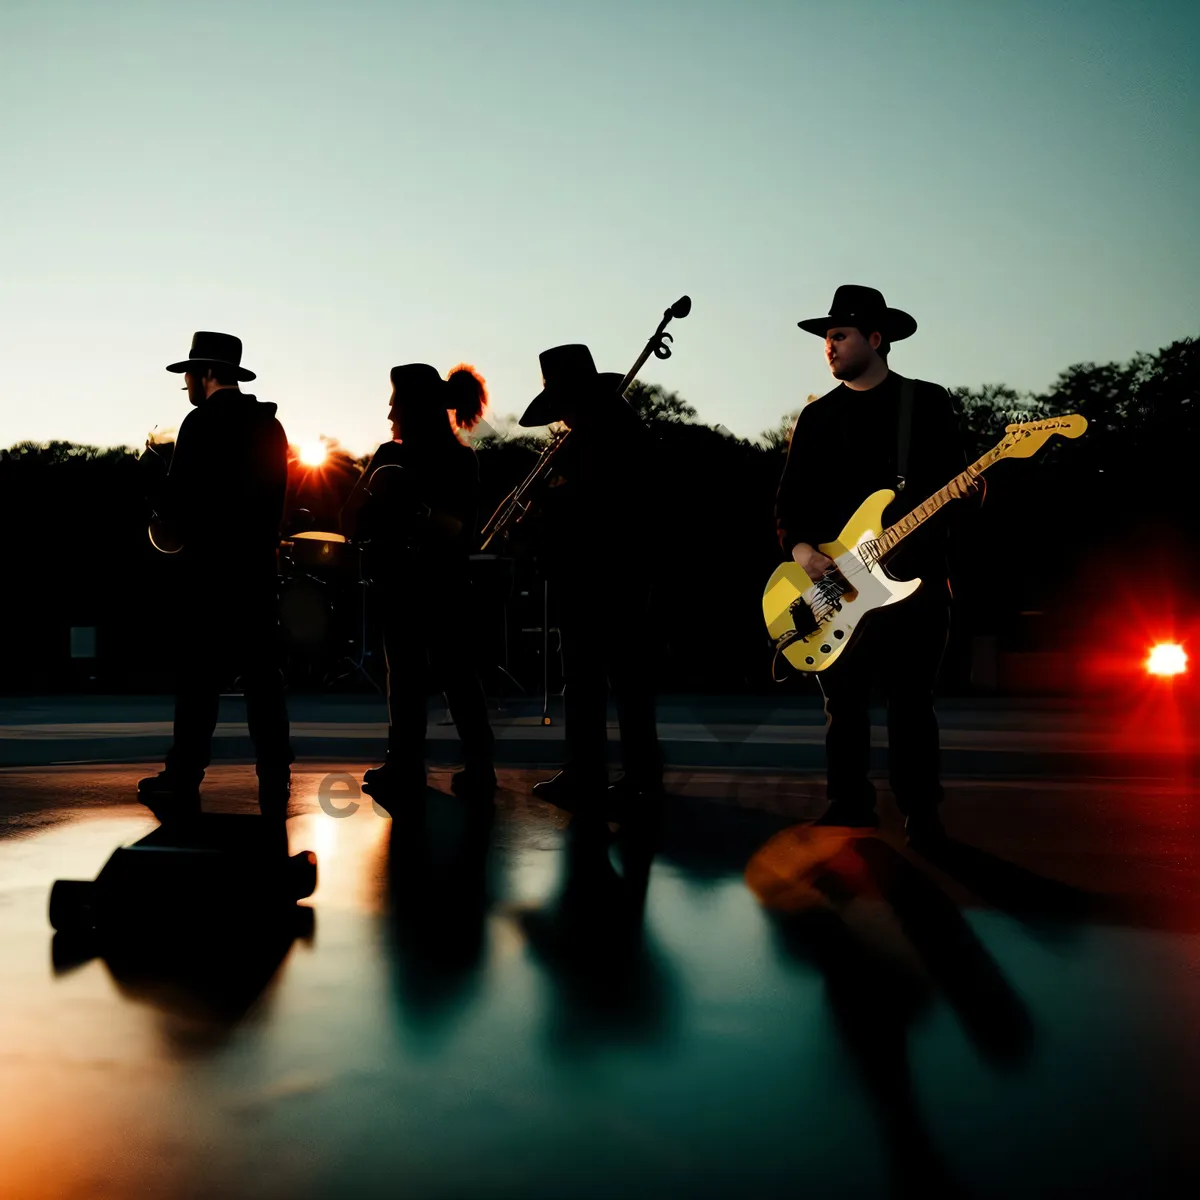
(925, 829)
(170, 796)
(392, 777)
(474, 783)
(390, 785)
(572, 793)
(274, 794)
(848, 816)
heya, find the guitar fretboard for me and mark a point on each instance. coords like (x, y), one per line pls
(956, 489)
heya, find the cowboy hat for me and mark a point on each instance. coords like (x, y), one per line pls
(865, 309)
(568, 372)
(213, 350)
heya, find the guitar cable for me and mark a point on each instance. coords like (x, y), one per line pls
(782, 643)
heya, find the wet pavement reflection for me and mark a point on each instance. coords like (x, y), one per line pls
(506, 1003)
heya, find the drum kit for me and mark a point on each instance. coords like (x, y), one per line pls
(321, 581)
(329, 637)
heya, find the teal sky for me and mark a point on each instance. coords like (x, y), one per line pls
(351, 185)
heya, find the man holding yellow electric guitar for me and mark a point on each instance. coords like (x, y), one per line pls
(877, 459)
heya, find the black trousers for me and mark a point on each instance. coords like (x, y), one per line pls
(899, 649)
(605, 626)
(229, 628)
(427, 626)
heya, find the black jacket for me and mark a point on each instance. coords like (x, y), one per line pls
(602, 512)
(227, 484)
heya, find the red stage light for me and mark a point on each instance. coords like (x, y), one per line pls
(1167, 658)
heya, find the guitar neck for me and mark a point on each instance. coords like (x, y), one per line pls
(956, 489)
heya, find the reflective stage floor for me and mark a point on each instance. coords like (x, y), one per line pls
(516, 1008)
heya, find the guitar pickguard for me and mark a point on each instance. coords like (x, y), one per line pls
(819, 619)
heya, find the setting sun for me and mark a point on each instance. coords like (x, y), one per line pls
(1167, 658)
(312, 454)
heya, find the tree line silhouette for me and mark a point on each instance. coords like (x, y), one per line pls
(1084, 539)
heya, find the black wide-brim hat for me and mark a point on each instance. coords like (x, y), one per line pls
(568, 373)
(865, 309)
(417, 377)
(214, 350)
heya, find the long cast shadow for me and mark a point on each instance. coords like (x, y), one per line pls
(195, 919)
(440, 888)
(204, 971)
(1045, 906)
(710, 841)
(611, 984)
(992, 1014)
(809, 879)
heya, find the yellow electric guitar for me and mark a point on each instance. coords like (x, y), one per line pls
(813, 621)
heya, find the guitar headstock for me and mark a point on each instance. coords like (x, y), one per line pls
(1025, 439)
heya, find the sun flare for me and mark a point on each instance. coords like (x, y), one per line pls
(312, 454)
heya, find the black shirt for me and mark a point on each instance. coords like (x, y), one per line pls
(844, 447)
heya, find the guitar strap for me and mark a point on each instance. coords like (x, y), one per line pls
(904, 432)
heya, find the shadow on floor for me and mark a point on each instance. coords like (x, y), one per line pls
(887, 942)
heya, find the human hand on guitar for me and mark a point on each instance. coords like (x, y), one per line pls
(811, 560)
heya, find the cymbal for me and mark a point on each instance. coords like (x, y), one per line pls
(314, 535)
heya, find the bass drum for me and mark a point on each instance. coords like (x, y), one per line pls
(305, 612)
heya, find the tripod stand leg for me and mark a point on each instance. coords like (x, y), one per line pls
(502, 668)
(546, 652)
(356, 666)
